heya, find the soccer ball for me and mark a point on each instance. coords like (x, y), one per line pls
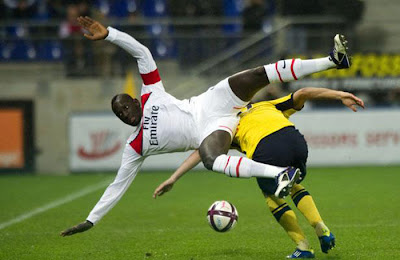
(222, 216)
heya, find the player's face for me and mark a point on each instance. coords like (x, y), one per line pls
(128, 110)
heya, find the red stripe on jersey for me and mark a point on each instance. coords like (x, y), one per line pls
(277, 71)
(291, 68)
(227, 164)
(237, 167)
(151, 78)
(230, 130)
(137, 143)
(144, 98)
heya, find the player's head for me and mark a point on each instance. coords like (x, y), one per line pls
(127, 109)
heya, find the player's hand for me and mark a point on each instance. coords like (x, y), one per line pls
(82, 227)
(351, 101)
(97, 30)
(163, 188)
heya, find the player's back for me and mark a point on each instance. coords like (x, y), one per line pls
(262, 119)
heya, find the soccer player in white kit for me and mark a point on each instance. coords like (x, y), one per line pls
(164, 124)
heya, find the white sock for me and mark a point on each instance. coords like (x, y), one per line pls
(241, 167)
(294, 69)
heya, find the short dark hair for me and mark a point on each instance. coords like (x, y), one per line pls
(113, 100)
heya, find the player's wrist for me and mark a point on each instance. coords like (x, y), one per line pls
(106, 35)
(173, 179)
(341, 95)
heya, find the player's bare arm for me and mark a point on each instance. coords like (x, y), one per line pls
(305, 94)
(186, 166)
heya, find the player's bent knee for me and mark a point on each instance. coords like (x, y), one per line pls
(259, 72)
(208, 161)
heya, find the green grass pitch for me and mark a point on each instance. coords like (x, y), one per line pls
(360, 205)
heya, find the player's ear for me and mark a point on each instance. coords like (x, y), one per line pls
(136, 101)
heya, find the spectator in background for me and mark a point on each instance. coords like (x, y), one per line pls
(193, 40)
(83, 7)
(77, 52)
(253, 15)
(20, 9)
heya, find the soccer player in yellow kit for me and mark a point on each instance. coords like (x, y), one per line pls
(266, 135)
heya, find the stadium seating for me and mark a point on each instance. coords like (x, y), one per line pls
(18, 42)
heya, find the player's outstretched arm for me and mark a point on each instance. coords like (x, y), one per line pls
(81, 227)
(130, 166)
(305, 94)
(186, 166)
(145, 60)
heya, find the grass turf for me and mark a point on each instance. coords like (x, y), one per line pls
(360, 205)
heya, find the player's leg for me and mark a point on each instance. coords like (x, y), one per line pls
(305, 203)
(245, 84)
(213, 152)
(282, 148)
(288, 221)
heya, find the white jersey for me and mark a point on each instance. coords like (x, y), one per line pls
(168, 124)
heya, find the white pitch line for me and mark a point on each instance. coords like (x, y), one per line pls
(55, 203)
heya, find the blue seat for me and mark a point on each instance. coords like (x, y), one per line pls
(154, 8)
(19, 31)
(232, 8)
(50, 50)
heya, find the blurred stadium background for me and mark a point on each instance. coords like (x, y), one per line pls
(56, 86)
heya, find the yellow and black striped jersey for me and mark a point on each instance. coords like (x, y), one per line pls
(260, 120)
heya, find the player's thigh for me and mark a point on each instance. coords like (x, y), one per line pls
(247, 83)
(285, 147)
(217, 101)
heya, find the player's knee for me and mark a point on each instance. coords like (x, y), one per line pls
(259, 72)
(208, 161)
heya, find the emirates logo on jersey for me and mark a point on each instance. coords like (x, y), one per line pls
(150, 124)
(103, 144)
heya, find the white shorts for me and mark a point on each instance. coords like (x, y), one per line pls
(217, 109)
